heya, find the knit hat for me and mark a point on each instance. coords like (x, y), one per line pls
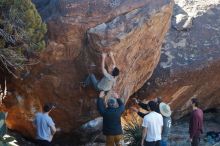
(165, 109)
(111, 102)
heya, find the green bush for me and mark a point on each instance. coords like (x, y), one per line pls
(21, 33)
(133, 132)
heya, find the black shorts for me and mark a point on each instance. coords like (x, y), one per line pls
(43, 142)
(153, 143)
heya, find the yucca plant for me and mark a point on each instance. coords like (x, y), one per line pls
(133, 132)
(4, 141)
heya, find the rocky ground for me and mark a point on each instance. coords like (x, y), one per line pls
(179, 134)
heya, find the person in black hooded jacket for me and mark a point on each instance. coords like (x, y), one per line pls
(111, 118)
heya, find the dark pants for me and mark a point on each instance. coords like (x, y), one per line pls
(195, 141)
(153, 143)
(91, 79)
(43, 143)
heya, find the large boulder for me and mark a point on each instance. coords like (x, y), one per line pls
(78, 30)
(189, 64)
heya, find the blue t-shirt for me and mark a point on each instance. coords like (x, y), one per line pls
(43, 122)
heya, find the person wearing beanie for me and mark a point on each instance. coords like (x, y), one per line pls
(111, 114)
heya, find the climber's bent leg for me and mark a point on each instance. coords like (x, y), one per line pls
(91, 79)
(94, 81)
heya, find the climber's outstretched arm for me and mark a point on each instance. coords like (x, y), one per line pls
(113, 59)
(103, 63)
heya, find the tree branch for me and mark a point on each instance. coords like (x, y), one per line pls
(7, 37)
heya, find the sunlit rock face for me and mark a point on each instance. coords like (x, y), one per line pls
(78, 30)
(189, 64)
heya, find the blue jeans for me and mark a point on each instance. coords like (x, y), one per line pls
(91, 79)
(163, 143)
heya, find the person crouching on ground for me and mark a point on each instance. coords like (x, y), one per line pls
(45, 126)
(111, 114)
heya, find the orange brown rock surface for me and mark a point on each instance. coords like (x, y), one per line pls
(77, 33)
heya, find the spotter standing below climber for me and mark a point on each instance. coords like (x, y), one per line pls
(108, 80)
(111, 114)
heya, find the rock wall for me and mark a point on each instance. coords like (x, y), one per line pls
(78, 30)
(189, 64)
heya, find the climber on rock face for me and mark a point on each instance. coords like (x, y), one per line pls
(109, 78)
